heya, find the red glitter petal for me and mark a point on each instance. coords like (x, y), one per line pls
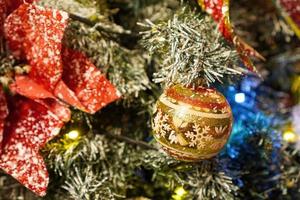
(2, 16)
(3, 115)
(14, 4)
(36, 34)
(58, 108)
(292, 8)
(6, 7)
(27, 87)
(87, 82)
(28, 127)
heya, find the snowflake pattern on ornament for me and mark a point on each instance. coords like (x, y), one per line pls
(196, 138)
(199, 136)
(220, 130)
(173, 138)
(161, 124)
(224, 110)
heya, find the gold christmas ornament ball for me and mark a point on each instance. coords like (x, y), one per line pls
(192, 124)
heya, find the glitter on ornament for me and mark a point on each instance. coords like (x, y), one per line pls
(192, 124)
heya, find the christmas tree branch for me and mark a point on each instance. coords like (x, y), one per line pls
(128, 140)
(97, 25)
(111, 48)
(125, 68)
(83, 20)
(190, 49)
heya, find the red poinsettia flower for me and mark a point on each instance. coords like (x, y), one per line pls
(25, 129)
(58, 76)
(35, 34)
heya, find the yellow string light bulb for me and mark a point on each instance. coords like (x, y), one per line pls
(73, 135)
(180, 193)
(290, 136)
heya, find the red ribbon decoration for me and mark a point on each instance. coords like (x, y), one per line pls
(58, 76)
(219, 10)
(27, 128)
